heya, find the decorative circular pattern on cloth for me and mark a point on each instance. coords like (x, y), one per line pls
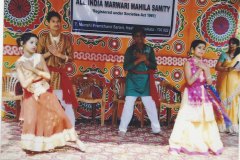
(114, 44)
(219, 24)
(177, 75)
(116, 71)
(178, 46)
(23, 15)
(71, 69)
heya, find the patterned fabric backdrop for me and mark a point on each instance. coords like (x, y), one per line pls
(214, 21)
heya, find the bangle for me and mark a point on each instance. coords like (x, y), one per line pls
(66, 59)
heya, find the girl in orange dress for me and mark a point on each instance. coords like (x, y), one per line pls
(45, 125)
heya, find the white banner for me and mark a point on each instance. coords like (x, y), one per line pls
(118, 17)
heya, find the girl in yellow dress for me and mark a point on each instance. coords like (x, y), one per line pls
(45, 125)
(228, 85)
(195, 130)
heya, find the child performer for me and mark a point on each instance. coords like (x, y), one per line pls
(195, 130)
(45, 125)
(140, 62)
(57, 50)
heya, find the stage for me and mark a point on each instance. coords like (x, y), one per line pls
(103, 143)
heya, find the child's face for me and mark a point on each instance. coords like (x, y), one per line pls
(199, 50)
(54, 23)
(31, 45)
(139, 38)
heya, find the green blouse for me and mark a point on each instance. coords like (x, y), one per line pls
(138, 84)
(223, 57)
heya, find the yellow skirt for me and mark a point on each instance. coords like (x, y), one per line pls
(195, 130)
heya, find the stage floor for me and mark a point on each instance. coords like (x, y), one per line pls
(103, 143)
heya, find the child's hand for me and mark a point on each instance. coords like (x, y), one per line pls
(137, 54)
(202, 66)
(55, 49)
(143, 58)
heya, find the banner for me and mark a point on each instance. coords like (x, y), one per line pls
(118, 17)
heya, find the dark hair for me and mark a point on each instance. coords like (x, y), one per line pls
(53, 14)
(196, 42)
(234, 41)
(138, 29)
(24, 38)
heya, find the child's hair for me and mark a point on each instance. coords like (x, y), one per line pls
(194, 44)
(24, 38)
(138, 29)
(53, 14)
